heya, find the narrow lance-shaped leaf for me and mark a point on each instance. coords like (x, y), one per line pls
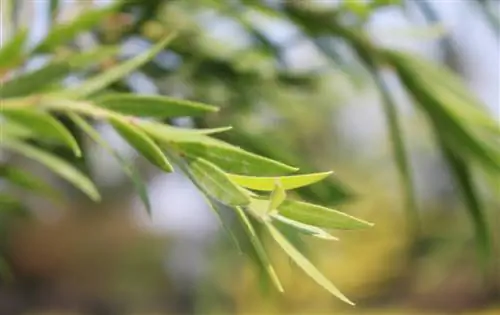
(286, 182)
(44, 125)
(116, 73)
(56, 164)
(141, 142)
(127, 167)
(28, 181)
(11, 53)
(259, 248)
(215, 182)
(166, 133)
(320, 216)
(305, 264)
(302, 228)
(53, 72)
(61, 34)
(232, 159)
(152, 106)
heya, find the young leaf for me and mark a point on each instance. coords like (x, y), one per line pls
(166, 133)
(27, 181)
(302, 228)
(61, 34)
(11, 53)
(277, 197)
(305, 264)
(287, 182)
(116, 73)
(56, 164)
(152, 106)
(127, 167)
(259, 248)
(44, 125)
(13, 130)
(141, 142)
(215, 182)
(320, 216)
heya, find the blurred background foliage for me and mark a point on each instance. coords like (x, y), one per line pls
(390, 94)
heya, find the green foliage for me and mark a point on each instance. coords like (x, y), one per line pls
(31, 114)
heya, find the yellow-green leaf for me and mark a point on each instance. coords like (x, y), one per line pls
(303, 228)
(44, 125)
(152, 106)
(277, 197)
(141, 142)
(56, 164)
(259, 248)
(215, 182)
(287, 182)
(305, 264)
(319, 216)
(11, 53)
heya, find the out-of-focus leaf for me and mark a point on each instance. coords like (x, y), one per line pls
(153, 106)
(10, 204)
(13, 130)
(462, 174)
(56, 164)
(44, 125)
(287, 182)
(259, 248)
(305, 264)
(319, 216)
(454, 130)
(53, 72)
(303, 228)
(61, 34)
(28, 181)
(35, 81)
(127, 167)
(11, 53)
(141, 142)
(116, 73)
(215, 182)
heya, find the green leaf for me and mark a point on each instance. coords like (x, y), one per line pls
(302, 228)
(152, 106)
(44, 125)
(13, 130)
(259, 248)
(277, 197)
(127, 167)
(35, 81)
(320, 216)
(56, 164)
(305, 264)
(11, 53)
(215, 182)
(141, 142)
(166, 133)
(63, 33)
(287, 182)
(27, 181)
(230, 158)
(462, 173)
(53, 72)
(116, 73)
